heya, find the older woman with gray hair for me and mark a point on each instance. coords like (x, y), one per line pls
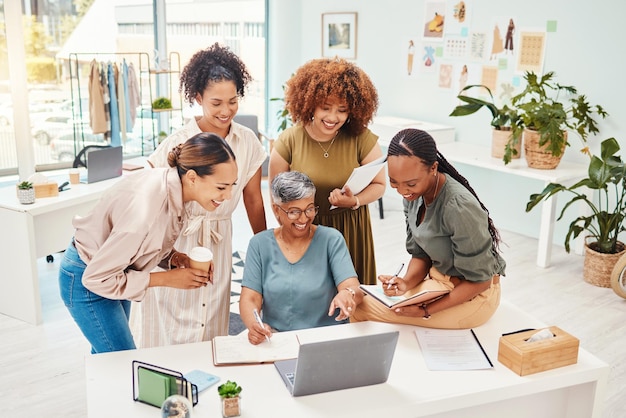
(299, 275)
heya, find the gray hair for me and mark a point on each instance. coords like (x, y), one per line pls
(291, 185)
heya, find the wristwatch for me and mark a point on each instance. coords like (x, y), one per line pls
(426, 314)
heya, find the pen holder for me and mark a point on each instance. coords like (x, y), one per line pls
(524, 358)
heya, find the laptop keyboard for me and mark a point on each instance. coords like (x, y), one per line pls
(291, 377)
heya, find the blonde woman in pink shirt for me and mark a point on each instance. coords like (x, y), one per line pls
(132, 230)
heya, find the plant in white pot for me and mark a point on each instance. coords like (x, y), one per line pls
(25, 192)
(546, 111)
(502, 118)
(606, 174)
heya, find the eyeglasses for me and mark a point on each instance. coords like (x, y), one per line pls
(295, 213)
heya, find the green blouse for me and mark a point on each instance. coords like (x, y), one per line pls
(454, 234)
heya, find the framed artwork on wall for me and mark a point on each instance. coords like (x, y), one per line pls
(339, 35)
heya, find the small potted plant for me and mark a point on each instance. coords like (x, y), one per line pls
(501, 120)
(162, 103)
(545, 116)
(607, 175)
(231, 401)
(25, 192)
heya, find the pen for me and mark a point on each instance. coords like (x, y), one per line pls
(394, 276)
(258, 319)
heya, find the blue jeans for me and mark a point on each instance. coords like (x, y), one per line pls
(104, 322)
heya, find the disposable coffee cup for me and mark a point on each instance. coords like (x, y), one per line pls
(74, 176)
(200, 258)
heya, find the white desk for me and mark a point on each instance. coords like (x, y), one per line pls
(566, 172)
(574, 391)
(33, 231)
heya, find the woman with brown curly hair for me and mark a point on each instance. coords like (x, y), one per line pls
(214, 78)
(331, 102)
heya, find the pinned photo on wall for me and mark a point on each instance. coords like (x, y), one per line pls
(489, 77)
(531, 52)
(458, 18)
(465, 74)
(434, 16)
(502, 43)
(410, 57)
(455, 47)
(445, 75)
(428, 55)
(478, 46)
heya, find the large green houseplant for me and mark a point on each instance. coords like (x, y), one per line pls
(549, 109)
(502, 118)
(607, 175)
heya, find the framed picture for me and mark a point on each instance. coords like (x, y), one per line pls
(339, 35)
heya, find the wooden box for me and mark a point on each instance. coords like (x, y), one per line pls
(46, 189)
(525, 357)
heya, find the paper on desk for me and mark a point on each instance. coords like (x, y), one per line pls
(363, 175)
(452, 349)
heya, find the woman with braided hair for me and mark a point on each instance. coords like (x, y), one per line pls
(451, 239)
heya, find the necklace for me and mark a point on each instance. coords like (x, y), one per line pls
(436, 187)
(326, 154)
(323, 149)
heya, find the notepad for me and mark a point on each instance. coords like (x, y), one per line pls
(425, 295)
(236, 349)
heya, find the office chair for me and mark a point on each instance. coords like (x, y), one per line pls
(81, 157)
(252, 122)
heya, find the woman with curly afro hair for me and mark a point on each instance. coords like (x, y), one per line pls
(216, 79)
(331, 102)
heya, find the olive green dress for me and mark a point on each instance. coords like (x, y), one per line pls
(304, 154)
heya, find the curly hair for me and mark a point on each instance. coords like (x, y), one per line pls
(320, 79)
(214, 64)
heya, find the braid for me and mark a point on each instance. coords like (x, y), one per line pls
(417, 143)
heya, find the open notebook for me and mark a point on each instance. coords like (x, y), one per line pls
(339, 364)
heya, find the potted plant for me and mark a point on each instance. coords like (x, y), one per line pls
(229, 393)
(607, 175)
(25, 192)
(501, 120)
(546, 110)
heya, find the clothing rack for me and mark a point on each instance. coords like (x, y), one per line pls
(141, 63)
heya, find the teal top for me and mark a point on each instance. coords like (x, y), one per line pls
(298, 295)
(454, 234)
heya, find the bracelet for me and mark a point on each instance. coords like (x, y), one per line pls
(357, 205)
(351, 290)
(426, 314)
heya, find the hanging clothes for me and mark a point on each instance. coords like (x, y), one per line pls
(121, 103)
(130, 122)
(97, 115)
(134, 97)
(115, 118)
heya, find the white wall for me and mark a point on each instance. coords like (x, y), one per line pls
(585, 51)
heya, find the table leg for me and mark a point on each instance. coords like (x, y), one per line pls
(546, 231)
(19, 281)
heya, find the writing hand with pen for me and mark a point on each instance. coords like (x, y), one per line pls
(259, 332)
(394, 285)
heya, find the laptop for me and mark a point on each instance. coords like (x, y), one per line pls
(339, 364)
(103, 164)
